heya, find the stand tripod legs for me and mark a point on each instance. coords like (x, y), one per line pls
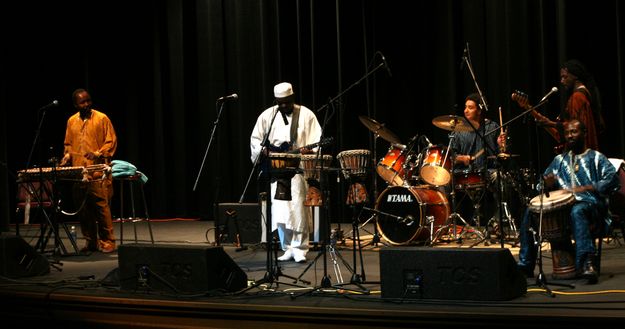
(274, 272)
(541, 280)
(512, 233)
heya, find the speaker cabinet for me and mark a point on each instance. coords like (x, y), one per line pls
(238, 218)
(178, 269)
(19, 259)
(456, 274)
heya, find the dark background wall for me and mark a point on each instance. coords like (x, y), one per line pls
(157, 67)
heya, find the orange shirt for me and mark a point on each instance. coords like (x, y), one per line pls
(94, 134)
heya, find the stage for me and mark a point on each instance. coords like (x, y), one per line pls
(84, 290)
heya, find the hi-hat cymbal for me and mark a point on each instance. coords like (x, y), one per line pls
(452, 123)
(503, 156)
(379, 129)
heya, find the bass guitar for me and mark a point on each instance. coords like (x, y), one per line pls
(523, 100)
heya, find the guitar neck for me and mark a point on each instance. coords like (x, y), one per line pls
(550, 130)
(286, 147)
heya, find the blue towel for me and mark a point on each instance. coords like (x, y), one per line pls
(121, 168)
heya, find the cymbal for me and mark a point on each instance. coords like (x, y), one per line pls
(379, 129)
(452, 123)
(503, 156)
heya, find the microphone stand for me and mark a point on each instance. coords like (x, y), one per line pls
(37, 133)
(499, 181)
(273, 270)
(210, 141)
(541, 280)
(51, 219)
(325, 281)
(376, 237)
(467, 59)
(324, 224)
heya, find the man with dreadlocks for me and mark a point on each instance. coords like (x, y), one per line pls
(583, 104)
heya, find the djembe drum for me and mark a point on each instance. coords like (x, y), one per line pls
(556, 229)
(312, 165)
(355, 167)
(283, 167)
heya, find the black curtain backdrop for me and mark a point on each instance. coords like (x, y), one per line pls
(157, 67)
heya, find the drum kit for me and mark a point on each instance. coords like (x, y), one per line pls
(414, 208)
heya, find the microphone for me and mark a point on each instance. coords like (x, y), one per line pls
(464, 56)
(553, 90)
(408, 220)
(428, 141)
(52, 104)
(388, 69)
(227, 98)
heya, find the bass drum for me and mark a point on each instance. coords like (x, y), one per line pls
(407, 214)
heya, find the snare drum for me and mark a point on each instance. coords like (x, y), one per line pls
(436, 166)
(466, 179)
(354, 162)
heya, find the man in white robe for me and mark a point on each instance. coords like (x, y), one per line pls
(289, 217)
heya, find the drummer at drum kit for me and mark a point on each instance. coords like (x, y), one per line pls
(471, 153)
(476, 152)
(590, 177)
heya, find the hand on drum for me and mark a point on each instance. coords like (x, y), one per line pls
(464, 159)
(550, 180)
(305, 150)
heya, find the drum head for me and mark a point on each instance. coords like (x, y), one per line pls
(400, 202)
(404, 213)
(555, 200)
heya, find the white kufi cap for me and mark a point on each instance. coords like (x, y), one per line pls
(282, 90)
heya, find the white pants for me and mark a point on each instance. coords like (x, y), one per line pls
(296, 241)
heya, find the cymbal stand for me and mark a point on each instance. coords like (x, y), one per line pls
(356, 279)
(504, 214)
(376, 235)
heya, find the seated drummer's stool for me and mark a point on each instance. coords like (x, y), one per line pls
(131, 181)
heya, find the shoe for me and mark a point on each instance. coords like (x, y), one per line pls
(299, 256)
(526, 270)
(288, 255)
(107, 246)
(89, 247)
(590, 272)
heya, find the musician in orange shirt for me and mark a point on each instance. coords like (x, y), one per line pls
(90, 140)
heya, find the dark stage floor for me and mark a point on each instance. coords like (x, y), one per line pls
(85, 289)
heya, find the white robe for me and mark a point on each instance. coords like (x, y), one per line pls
(293, 214)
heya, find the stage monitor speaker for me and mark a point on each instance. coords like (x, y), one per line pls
(443, 273)
(178, 269)
(242, 218)
(19, 259)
